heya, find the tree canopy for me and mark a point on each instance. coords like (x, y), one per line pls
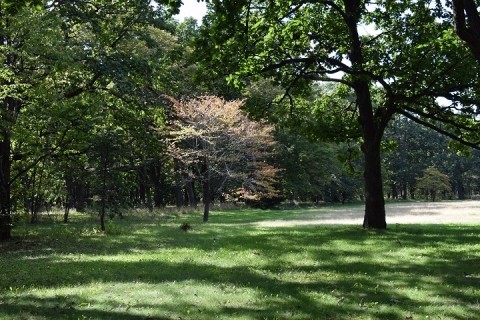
(394, 57)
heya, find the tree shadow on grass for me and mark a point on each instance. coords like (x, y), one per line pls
(274, 296)
(346, 273)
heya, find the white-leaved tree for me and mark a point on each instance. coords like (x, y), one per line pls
(214, 141)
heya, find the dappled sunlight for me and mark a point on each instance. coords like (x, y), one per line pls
(239, 271)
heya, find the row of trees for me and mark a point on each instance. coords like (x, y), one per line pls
(114, 104)
(410, 149)
(81, 86)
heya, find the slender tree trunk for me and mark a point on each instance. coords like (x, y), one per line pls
(69, 199)
(206, 190)
(67, 209)
(5, 164)
(81, 192)
(394, 191)
(412, 192)
(103, 202)
(178, 184)
(34, 198)
(158, 184)
(145, 192)
(142, 186)
(190, 189)
(461, 190)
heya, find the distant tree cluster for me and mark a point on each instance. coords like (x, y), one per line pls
(412, 153)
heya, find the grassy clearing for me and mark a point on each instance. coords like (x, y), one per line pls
(146, 267)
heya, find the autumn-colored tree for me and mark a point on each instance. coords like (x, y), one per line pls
(214, 140)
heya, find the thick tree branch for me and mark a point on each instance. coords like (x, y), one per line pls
(467, 24)
(434, 117)
(475, 145)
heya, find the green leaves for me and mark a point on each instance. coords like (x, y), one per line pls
(13, 7)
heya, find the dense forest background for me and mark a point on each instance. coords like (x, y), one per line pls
(110, 105)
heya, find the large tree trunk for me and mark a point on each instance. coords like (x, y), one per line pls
(372, 137)
(373, 124)
(374, 200)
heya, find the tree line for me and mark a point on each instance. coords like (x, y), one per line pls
(114, 104)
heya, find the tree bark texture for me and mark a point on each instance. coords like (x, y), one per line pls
(374, 199)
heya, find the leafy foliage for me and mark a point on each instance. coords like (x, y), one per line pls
(214, 138)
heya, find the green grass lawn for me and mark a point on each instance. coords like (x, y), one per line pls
(146, 267)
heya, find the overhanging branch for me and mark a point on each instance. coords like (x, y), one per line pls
(474, 145)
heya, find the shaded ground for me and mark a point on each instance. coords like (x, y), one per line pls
(445, 212)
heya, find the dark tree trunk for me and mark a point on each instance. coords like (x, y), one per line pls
(372, 130)
(404, 192)
(80, 195)
(141, 186)
(34, 198)
(158, 184)
(190, 190)
(9, 110)
(374, 201)
(70, 196)
(145, 192)
(372, 123)
(461, 190)
(5, 164)
(394, 191)
(5, 227)
(178, 184)
(66, 212)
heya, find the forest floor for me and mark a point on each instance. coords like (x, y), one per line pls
(441, 212)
